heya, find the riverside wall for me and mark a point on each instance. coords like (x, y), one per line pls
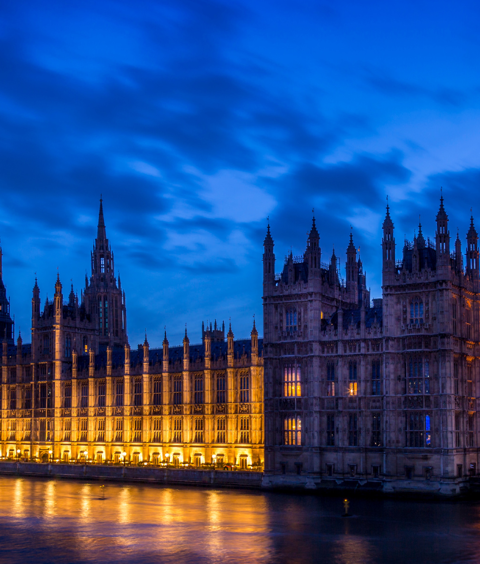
(174, 476)
(239, 479)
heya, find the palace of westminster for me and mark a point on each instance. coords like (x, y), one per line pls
(339, 389)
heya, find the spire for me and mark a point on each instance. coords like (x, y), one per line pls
(101, 234)
(351, 246)
(387, 222)
(313, 231)
(165, 340)
(58, 285)
(420, 238)
(268, 237)
(442, 214)
(230, 332)
(71, 297)
(472, 232)
(254, 330)
(145, 343)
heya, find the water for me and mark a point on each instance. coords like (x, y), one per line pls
(65, 521)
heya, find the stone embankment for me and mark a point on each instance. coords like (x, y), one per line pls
(170, 476)
(240, 479)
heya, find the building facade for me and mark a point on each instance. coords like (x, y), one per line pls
(78, 392)
(341, 390)
(383, 392)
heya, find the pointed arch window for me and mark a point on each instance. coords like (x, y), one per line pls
(291, 320)
(293, 431)
(292, 381)
(68, 346)
(418, 376)
(102, 265)
(416, 311)
(352, 378)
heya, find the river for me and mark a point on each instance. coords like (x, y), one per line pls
(58, 521)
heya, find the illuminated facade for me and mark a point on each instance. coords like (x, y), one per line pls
(339, 390)
(78, 392)
(381, 392)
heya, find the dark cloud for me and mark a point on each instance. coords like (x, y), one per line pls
(390, 86)
(147, 103)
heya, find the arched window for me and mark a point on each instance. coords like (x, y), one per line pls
(416, 311)
(418, 430)
(68, 346)
(291, 320)
(46, 344)
(100, 315)
(352, 379)
(102, 265)
(293, 431)
(198, 390)
(85, 345)
(418, 381)
(292, 384)
(244, 388)
(330, 379)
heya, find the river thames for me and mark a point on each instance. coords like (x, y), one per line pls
(66, 521)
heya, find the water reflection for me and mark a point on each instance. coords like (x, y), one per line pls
(62, 521)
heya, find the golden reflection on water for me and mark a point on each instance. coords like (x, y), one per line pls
(18, 493)
(50, 501)
(71, 522)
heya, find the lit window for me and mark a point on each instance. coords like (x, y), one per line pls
(293, 431)
(292, 381)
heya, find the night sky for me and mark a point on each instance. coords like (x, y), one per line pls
(196, 120)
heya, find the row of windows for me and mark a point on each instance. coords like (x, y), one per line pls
(417, 382)
(44, 429)
(44, 397)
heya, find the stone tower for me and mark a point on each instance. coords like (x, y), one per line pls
(104, 299)
(6, 323)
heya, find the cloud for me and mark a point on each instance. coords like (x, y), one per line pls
(393, 87)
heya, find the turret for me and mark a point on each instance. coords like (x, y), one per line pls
(127, 359)
(35, 304)
(207, 341)
(332, 270)
(109, 361)
(458, 255)
(268, 260)
(165, 352)
(352, 271)
(19, 348)
(388, 249)
(472, 251)
(91, 363)
(313, 252)
(442, 237)
(58, 300)
(186, 351)
(254, 343)
(230, 346)
(146, 355)
(74, 364)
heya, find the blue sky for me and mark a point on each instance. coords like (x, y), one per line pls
(196, 120)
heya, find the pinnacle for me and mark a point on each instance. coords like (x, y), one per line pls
(268, 238)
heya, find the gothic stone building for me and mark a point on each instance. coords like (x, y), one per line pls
(78, 392)
(384, 393)
(340, 390)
